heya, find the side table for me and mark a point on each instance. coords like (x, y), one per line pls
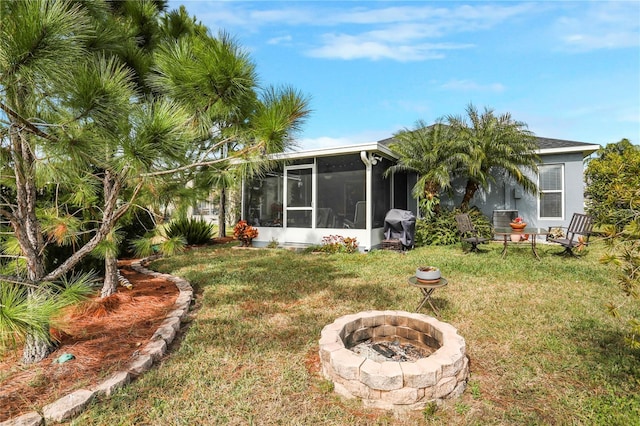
(427, 290)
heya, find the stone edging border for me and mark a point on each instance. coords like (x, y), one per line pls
(74, 403)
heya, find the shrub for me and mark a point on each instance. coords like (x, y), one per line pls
(338, 244)
(194, 231)
(441, 229)
(244, 232)
(135, 225)
(155, 242)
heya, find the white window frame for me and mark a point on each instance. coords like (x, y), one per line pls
(285, 201)
(561, 191)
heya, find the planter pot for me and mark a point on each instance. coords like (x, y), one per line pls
(427, 273)
(518, 226)
(515, 237)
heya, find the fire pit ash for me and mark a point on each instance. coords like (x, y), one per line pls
(391, 350)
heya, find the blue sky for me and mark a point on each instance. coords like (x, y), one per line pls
(570, 70)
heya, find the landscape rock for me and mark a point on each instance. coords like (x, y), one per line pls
(113, 383)
(68, 406)
(155, 349)
(140, 364)
(28, 419)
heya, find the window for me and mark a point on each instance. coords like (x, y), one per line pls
(341, 192)
(264, 200)
(551, 186)
(334, 188)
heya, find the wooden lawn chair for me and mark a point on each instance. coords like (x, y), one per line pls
(576, 236)
(468, 233)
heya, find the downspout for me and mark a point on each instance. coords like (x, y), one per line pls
(365, 159)
(368, 194)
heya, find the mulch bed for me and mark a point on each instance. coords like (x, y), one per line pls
(101, 335)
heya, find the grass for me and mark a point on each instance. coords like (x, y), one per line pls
(542, 348)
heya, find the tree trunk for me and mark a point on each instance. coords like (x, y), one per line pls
(110, 285)
(469, 192)
(28, 233)
(222, 213)
(36, 346)
(36, 349)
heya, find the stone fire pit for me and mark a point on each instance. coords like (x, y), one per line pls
(389, 384)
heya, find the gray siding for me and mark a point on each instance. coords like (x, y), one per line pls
(505, 194)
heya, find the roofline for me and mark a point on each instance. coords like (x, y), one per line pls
(336, 150)
(585, 149)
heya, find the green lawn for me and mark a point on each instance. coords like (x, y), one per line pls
(542, 347)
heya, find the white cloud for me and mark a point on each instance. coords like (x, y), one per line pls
(472, 86)
(399, 33)
(354, 139)
(324, 142)
(371, 46)
(280, 40)
(602, 25)
(459, 17)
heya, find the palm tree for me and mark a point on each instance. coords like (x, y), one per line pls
(428, 151)
(489, 143)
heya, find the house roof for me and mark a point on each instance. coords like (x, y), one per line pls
(556, 146)
(336, 150)
(545, 146)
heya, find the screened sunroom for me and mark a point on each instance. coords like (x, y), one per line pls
(313, 194)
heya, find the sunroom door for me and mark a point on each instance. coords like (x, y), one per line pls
(299, 196)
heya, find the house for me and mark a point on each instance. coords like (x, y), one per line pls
(344, 191)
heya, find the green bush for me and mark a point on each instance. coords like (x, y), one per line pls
(441, 229)
(194, 231)
(133, 226)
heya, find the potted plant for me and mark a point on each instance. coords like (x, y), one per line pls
(428, 273)
(245, 233)
(518, 224)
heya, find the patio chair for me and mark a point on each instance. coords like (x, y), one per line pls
(576, 236)
(360, 217)
(325, 218)
(468, 233)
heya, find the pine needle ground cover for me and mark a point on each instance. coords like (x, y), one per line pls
(542, 348)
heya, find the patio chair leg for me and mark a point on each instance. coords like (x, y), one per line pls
(475, 248)
(567, 252)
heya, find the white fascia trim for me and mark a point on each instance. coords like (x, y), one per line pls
(324, 152)
(585, 150)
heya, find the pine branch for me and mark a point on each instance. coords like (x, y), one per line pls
(244, 151)
(28, 124)
(9, 215)
(19, 280)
